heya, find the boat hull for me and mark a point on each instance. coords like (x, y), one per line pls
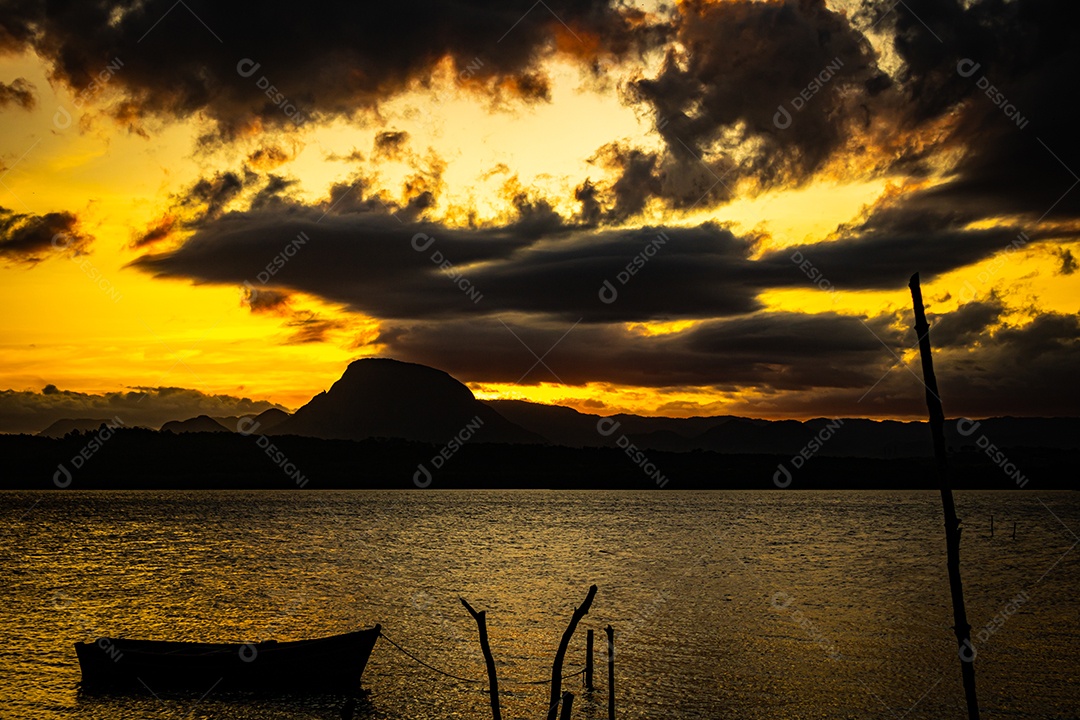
(330, 664)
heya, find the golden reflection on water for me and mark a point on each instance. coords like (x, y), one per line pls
(726, 604)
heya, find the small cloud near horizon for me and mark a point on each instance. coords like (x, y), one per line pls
(24, 411)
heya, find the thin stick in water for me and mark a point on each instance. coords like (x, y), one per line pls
(961, 627)
(493, 679)
(556, 667)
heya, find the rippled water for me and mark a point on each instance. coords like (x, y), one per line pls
(726, 604)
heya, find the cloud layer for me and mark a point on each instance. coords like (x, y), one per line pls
(31, 412)
(387, 268)
(323, 59)
(959, 107)
(30, 238)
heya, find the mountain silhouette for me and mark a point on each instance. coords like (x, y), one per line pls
(380, 397)
(267, 420)
(385, 398)
(202, 423)
(60, 428)
(847, 437)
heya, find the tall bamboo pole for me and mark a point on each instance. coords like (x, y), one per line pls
(493, 680)
(965, 649)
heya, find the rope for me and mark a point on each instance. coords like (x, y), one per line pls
(472, 680)
(543, 682)
(429, 667)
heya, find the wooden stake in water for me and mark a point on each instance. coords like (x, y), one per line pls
(966, 650)
(556, 667)
(493, 679)
(991, 526)
(610, 631)
(589, 660)
(567, 706)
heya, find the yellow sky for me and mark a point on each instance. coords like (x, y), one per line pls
(91, 323)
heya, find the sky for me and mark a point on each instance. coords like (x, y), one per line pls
(702, 208)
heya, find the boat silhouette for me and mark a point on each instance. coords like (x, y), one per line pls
(329, 664)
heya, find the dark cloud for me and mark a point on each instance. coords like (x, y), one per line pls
(390, 143)
(265, 301)
(682, 179)
(213, 194)
(207, 198)
(353, 157)
(781, 364)
(269, 157)
(1001, 71)
(541, 274)
(310, 327)
(29, 238)
(1068, 262)
(1021, 370)
(369, 261)
(762, 349)
(964, 326)
(19, 92)
(161, 229)
(322, 60)
(740, 64)
(304, 326)
(882, 251)
(637, 180)
(359, 255)
(273, 193)
(591, 211)
(31, 412)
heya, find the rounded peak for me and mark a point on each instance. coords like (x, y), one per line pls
(379, 369)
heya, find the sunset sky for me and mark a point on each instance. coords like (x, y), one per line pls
(211, 210)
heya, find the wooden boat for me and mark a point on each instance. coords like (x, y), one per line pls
(330, 664)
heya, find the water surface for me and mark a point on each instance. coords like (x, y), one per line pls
(775, 604)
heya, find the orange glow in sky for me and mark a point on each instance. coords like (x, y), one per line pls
(88, 320)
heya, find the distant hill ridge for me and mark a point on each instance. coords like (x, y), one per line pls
(844, 437)
(385, 398)
(62, 427)
(202, 423)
